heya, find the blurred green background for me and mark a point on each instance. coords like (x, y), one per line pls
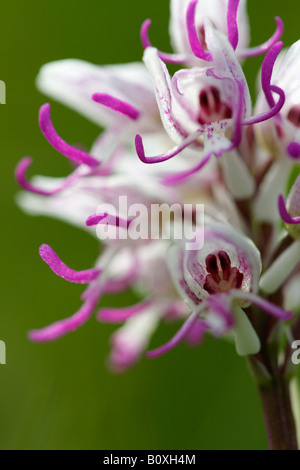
(61, 395)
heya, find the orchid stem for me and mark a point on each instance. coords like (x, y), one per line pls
(279, 419)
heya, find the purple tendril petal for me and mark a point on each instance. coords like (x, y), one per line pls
(107, 219)
(166, 156)
(20, 174)
(273, 111)
(62, 327)
(293, 150)
(195, 43)
(119, 315)
(179, 177)
(265, 305)
(169, 58)
(263, 48)
(179, 336)
(286, 217)
(58, 267)
(59, 144)
(267, 70)
(233, 33)
(117, 105)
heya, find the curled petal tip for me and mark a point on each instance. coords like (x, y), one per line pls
(286, 217)
(194, 40)
(140, 148)
(144, 33)
(117, 105)
(59, 144)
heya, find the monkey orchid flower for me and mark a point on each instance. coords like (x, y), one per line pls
(206, 108)
(228, 16)
(217, 282)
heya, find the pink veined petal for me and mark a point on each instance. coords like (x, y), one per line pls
(265, 305)
(58, 267)
(166, 156)
(107, 219)
(293, 149)
(263, 48)
(195, 43)
(273, 111)
(267, 71)
(62, 327)
(20, 174)
(117, 105)
(59, 144)
(119, 315)
(233, 33)
(169, 58)
(286, 217)
(179, 336)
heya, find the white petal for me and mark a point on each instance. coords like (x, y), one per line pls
(237, 176)
(245, 337)
(174, 118)
(73, 82)
(280, 270)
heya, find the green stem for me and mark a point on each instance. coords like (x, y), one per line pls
(279, 419)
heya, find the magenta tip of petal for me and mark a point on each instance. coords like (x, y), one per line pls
(95, 219)
(286, 217)
(233, 34)
(194, 40)
(140, 148)
(117, 105)
(59, 144)
(144, 33)
(21, 169)
(293, 150)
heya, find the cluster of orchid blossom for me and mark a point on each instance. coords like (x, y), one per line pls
(207, 145)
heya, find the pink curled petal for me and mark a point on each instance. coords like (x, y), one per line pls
(263, 48)
(107, 219)
(63, 327)
(166, 156)
(20, 175)
(233, 33)
(286, 217)
(267, 71)
(119, 315)
(169, 58)
(58, 267)
(59, 144)
(273, 111)
(293, 150)
(117, 105)
(265, 305)
(179, 336)
(195, 43)
(181, 176)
